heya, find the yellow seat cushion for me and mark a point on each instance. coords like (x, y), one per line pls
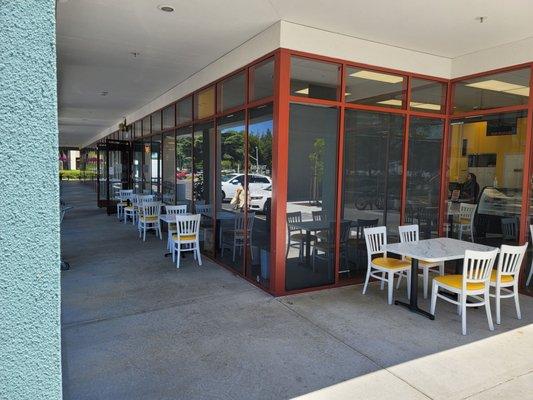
(149, 218)
(456, 281)
(172, 226)
(184, 237)
(464, 221)
(390, 263)
(129, 208)
(503, 278)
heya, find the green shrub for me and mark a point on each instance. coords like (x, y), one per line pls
(69, 174)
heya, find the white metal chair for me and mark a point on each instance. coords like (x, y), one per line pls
(123, 197)
(383, 268)
(474, 282)
(171, 226)
(531, 266)
(149, 219)
(240, 235)
(186, 237)
(131, 210)
(410, 233)
(466, 220)
(506, 276)
(203, 209)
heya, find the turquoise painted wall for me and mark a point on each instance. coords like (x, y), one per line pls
(30, 339)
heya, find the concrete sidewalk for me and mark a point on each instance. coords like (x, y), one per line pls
(135, 327)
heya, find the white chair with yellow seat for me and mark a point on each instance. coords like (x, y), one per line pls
(131, 210)
(383, 268)
(149, 219)
(143, 198)
(171, 226)
(410, 233)
(505, 276)
(123, 197)
(466, 220)
(474, 282)
(186, 237)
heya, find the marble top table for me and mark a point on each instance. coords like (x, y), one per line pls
(432, 250)
(170, 218)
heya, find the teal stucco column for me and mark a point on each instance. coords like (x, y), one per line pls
(30, 336)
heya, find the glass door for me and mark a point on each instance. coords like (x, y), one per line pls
(113, 172)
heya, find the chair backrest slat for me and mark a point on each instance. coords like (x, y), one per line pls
(203, 209)
(510, 259)
(376, 240)
(188, 224)
(181, 209)
(151, 209)
(408, 233)
(478, 266)
(467, 211)
(293, 217)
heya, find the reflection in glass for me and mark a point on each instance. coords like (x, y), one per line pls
(374, 88)
(427, 96)
(497, 90)
(231, 92)
(204, 103)
(169, 161)
(137, 129)
(315, 79)
(137, 166)
(147, 167)
(311, 196)
(202, 183)
(372, 181)
(184, 166)
(262, 80)
(486, 169)
(423, 175)
(260, 188)
(156, 122)
(156, 164)
(146, 126)
(184, 110)
(168, 117)
(231, 197)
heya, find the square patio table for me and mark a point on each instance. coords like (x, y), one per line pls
(431, 250)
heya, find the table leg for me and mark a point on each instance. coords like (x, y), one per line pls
(413, 303)
(450, 225)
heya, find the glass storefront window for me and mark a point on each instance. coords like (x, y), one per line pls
(169, 166)
(146, 129)
(156, 164)
(428, 96)
(146, 167)
(485, 169)
(503, 89)
(204, 135)
(137, 129)
(423, 175)
(262, 80)
(311, 196)
(184, 166)
(231, 197)
(374, 88)
(231, 92)
(169, 117)
(204, 103)
(137, 166)
(260, 188)
(156, 121)
(319, 80)
(372, 182)
(184, 111)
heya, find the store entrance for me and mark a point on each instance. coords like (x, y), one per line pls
(114, 164)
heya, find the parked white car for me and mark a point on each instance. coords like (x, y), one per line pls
(261, 200)
(232, 181)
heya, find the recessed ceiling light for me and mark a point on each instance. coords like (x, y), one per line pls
(376, 76)
(166, 8)
(303, 91)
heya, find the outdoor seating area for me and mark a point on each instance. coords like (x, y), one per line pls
(151, 330)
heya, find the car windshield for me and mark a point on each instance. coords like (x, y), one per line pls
(226, 178)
